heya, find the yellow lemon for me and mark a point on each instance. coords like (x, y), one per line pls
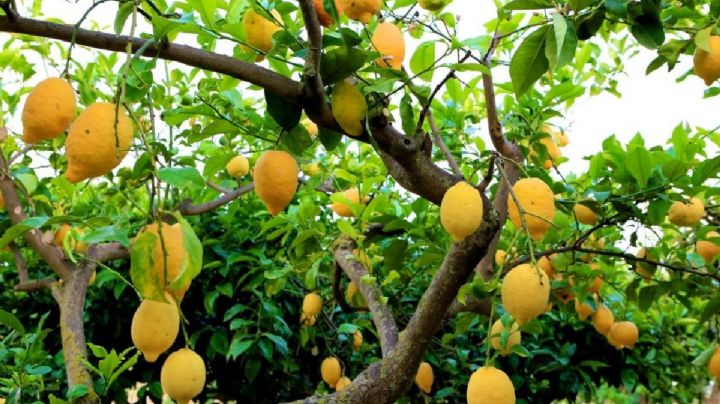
(714, 364)
(360, 10)
(546, 265)
(330, 370)
(259, 30)
(48, 110)
(563, 139)
(183, 375)
(357, 340)
(431, 5)
(537, 200)
(276, 179)
(707, 64)
(489, 385)
(98, 141)
(388, 40)
(312, 304)
(585, 215)
(525, 292)
(342, 209)
(424, 377)
(154, 327)
(513, 339)
(461, 210)
(500, 257)
(59, 238)
(623, 334)
(170, 257)
(707, 249)
(686, 214)
(603, 319)
(343, 383)
(238, 167)
(583, 310)
(349, 107)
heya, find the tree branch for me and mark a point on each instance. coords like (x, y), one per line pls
(35, 285)
(337, 291)
(277, 84)
(108, 252)
(438, 140)
(50, 253)
(20, 263)
(188, 209)
(383, 318)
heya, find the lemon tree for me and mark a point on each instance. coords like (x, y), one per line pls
(351, 201)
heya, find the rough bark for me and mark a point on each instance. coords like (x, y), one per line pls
(389, 379)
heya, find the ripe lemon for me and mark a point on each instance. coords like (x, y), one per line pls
(48, 110)
(173, 255)
(583, 310)
(644, 269)
(353, 195)
(461, 210)
(563, 139)
(259, 30)
(357, 340)
(312, 304)
(312, 169)
(513, 339)
(155, 325)
(424, 377)
(707, 249)
(538, 202)
(553, 151)
(714, 364)
(525, 292)
(183, 375)
(349, 107)
(276, 179)
(686, 214)
(603, 319)
(330, 370)
(343, 383)
(360, 10)
(707, 64)
(238, 166)
(59, 238)
(311, 127)
(623, 334)
(94, 147)
(323, 16)
(489, 385)
(500, 257)
(306, 320)
(388, 40)
(546, 265)
(431, 5)
(585, 215)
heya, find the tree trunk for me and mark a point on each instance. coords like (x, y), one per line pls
(72, 306)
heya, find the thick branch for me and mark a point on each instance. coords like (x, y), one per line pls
(108, 252)
(385, 381)
(51, 254)
(273, 82)
(382, 316)
(337, 291)
(471, 305)
(314, 85)
(188, 209)
(20, 263)
(34, 285)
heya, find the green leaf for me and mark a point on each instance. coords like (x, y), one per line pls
(286, 115)
(702, 38)
(639, 163)
(647, 296)
(590, 25)
(238, 347)
(206, 8)
(77, 391)
(347, 328)
(297, 140)
(711, 308)
(192, 264)
(340, 63)
(423, 60)
(561, 42)
(181, 177)
(142, 271)
(11, 321)
(407, 115)
(617, 7)
(579, 5)
(529, 5)
(704, 357)
(329, 138)
(17, 230)
(124, 11)
(529, 62)
(648, 30)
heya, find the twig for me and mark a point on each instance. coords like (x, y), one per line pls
(488, 175)
(217, 187)
(34, 285)
(437, 88)
(20, 153)
(188, 209)
(19, 262)
(382, 316)
(438, 140)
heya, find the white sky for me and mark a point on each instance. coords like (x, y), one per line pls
(652, 105)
